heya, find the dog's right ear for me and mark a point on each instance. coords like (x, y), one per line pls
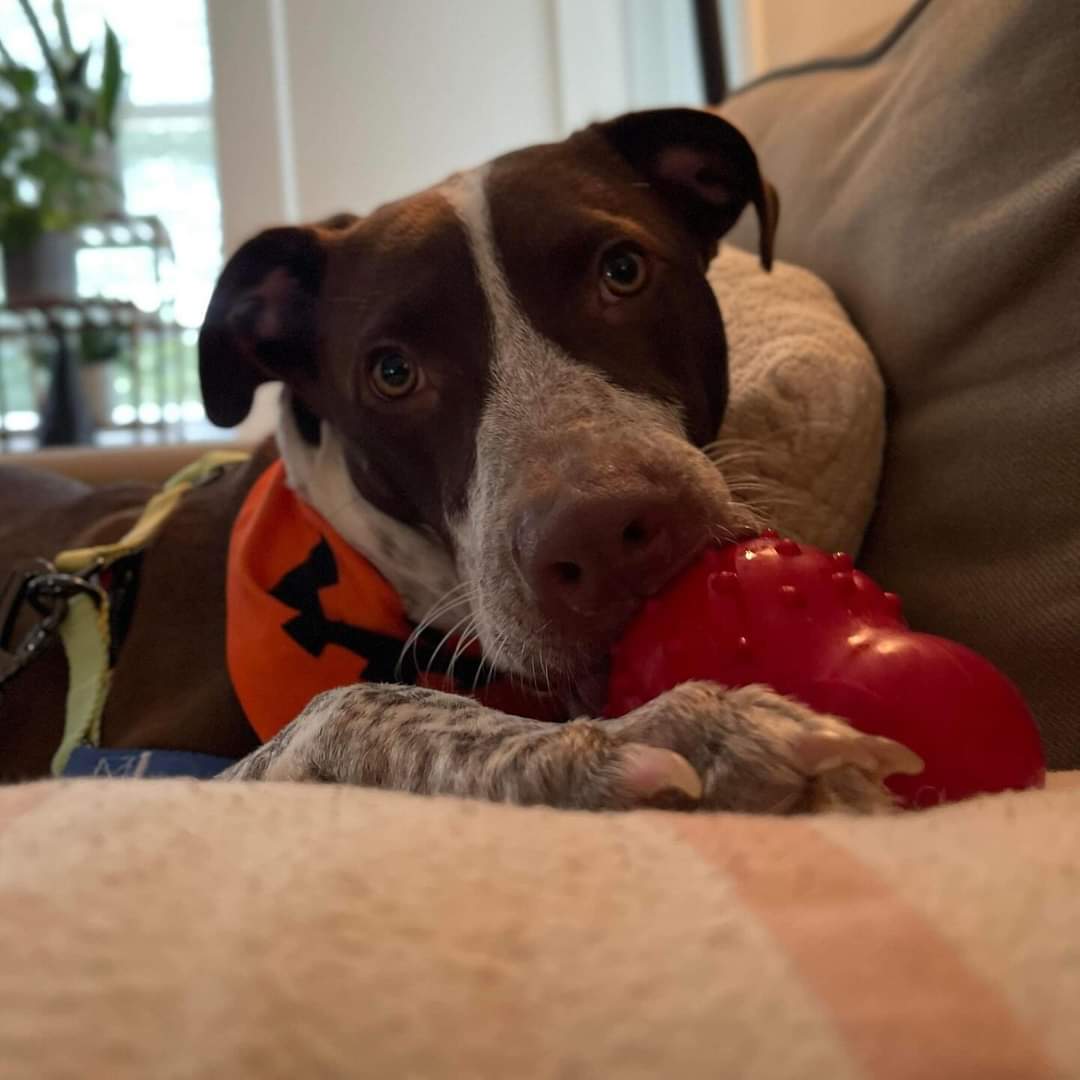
(702, 167)
(260, 324)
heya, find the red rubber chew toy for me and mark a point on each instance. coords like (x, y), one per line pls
(807, 624)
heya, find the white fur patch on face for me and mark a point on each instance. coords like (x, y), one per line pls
(524, 363)
(417, 566)
(545, 413)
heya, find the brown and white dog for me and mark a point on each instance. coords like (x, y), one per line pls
(502, 391)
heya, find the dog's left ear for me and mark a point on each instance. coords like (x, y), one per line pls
(700, 165)
(260, 324)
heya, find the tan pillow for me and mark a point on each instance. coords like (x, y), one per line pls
(805, 425)
(936, 188)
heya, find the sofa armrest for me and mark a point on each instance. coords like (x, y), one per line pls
(145, 464)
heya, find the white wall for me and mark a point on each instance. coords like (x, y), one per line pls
(324, 105)
(389, 97)
(617, 55)
(327, 105)
(247, 98)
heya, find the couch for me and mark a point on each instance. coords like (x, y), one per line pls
(178, 928)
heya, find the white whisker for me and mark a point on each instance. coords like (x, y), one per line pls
(465, 619)
(468, 637)
(452, 598)
(759, 500)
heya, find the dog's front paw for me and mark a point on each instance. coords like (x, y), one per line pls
(313, 747)
(755, 750)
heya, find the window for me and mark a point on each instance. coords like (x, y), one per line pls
(166, 149)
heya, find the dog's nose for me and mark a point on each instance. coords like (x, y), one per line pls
(590, 561)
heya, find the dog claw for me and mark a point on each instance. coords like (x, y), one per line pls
(649, 772)
(819, 752)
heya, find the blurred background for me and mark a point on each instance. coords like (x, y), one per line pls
(142, 141)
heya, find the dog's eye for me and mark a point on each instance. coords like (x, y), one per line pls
(622, 271)
(392, 375)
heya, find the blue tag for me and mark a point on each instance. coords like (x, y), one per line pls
(143, 764)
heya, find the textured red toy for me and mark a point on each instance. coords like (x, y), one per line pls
(807, 624)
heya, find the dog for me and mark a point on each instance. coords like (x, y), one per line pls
(502, 392)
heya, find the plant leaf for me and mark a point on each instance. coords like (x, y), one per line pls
(22, 80)
(112, 76)
(61, 21)
(21, 226)
(76, 98)
(43, 45)
(50, 174)
(76, 72)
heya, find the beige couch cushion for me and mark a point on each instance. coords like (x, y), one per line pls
(937, 190)
(163, 928)
(803, 435)
(118, 465)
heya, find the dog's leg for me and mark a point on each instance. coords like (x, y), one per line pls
(699, 744)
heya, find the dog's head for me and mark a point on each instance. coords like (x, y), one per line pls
(522, 364)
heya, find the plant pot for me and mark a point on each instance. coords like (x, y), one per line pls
(96, 385)
(65, 418)
(44, 270)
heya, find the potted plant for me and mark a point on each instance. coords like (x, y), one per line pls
(57, 158)
(99, 348)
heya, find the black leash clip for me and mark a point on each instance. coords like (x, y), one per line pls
(47, 591)
(44, 590)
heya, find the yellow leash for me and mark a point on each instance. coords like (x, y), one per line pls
(85, 629)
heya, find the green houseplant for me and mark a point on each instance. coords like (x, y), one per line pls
(57, 157)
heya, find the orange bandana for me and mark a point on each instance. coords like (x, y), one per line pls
(305, 613)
